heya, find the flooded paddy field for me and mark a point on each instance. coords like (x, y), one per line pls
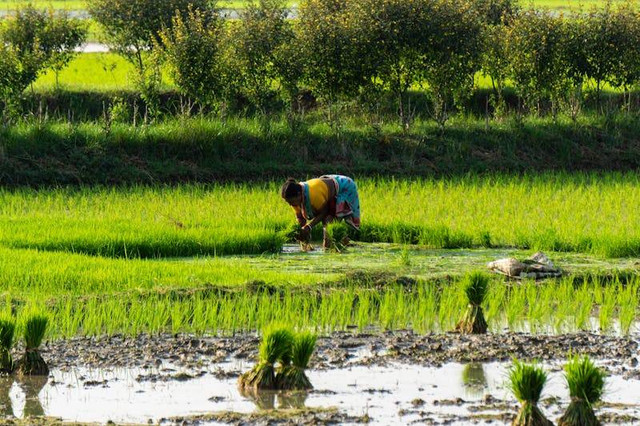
(380, 378)
(155, 310)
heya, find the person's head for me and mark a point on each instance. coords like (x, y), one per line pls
(292, 192)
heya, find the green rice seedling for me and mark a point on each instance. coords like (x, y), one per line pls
(32, 364)
(404, 257)
(535, 309)
(475, 288)
(515, 306)
(276, 344)
(607, 306)
(586, 386)
(584, 302)
(292, 376)
(628, 304)
(338, 235)
(7, 330)
(527, 381)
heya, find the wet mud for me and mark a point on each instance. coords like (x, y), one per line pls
(344, 348)
(360, 377)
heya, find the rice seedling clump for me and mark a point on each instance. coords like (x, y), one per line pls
(7, 330)
(31, 363)
(276, 346)
(475, 288)
(526, 381)
(292, 375)
(338, 236)
(586, 386)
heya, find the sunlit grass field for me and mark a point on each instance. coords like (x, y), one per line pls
(581, 213)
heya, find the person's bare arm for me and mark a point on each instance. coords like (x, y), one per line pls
(319, 217)
(301, 219)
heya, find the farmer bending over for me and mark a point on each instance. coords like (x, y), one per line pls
(322, 200)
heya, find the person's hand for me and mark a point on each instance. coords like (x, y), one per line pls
(305, 233)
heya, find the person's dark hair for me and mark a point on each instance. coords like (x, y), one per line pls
(290, 189)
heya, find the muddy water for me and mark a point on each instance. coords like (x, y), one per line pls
(391, 394)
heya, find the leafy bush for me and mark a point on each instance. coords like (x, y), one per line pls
(192, 47)
(258, 42)
(32, 41)
(399, 37)
(333, 50)
(133, 26)
(454, 56)
(63, 35)
(495, 12)
(536, 50)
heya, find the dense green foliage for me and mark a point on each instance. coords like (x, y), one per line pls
(358, 51)
(192, 48)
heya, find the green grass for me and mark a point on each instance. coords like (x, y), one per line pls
(336, 307)
(90, 71)
(90, 295)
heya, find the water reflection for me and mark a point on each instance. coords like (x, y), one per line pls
(31, 386)
(6, 408)
(474, 380)
(266, 400)
(292, 399)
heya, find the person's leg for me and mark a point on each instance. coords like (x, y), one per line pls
(326, 239)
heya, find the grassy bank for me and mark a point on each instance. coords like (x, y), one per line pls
(194, 150)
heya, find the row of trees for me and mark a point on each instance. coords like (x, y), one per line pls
(347, 49)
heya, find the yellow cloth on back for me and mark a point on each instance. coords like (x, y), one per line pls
(319, 194)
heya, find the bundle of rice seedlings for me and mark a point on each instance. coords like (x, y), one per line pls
(338, 236)
(526, 381)
(292, 376)
(7, 330)
(295, 233)
(586, 386)
(31, 362)
(276, 344)
(475, 288)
